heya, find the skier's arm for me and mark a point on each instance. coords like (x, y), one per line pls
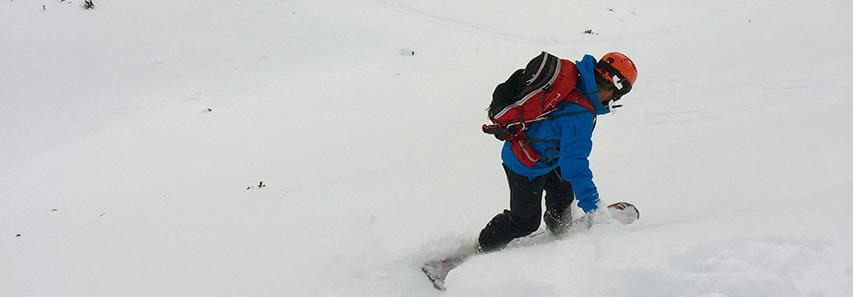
(575, 146)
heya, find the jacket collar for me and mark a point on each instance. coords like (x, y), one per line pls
(586, 83)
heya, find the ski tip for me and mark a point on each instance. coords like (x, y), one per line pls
(437, 283)
(624, 212)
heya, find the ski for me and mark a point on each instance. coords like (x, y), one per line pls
(437, 270)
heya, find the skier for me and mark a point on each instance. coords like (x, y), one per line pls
(545, 113)
(563, 141)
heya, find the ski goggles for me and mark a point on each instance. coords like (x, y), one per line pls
(619, 83)
(620, 87)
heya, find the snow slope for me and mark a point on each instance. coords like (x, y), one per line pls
(135, 135)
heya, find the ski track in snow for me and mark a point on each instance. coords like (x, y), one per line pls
(454, 24)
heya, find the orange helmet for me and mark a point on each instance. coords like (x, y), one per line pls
(618, 70)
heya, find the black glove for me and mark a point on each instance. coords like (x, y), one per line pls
(498, 132)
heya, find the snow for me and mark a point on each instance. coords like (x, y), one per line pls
(735, 145)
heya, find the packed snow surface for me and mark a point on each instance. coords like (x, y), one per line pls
(328, 147)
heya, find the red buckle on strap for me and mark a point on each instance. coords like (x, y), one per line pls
(523, 152)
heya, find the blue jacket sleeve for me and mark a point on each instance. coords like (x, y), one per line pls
(575, 146)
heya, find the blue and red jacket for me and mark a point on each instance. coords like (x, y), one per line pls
(564, 140)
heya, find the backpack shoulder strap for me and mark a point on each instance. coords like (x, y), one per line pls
(575, 97)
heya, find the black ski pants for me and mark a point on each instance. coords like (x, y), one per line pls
(525, 207)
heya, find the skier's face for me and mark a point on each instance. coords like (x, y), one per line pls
(605, 94)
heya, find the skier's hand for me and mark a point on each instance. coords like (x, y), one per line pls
(498, 132)
(591, 218)
(582, 223)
